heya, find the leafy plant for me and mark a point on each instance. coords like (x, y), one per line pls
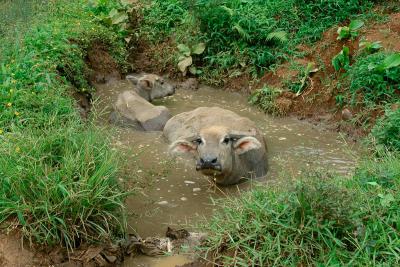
(387, 130)
(242, 36)
(389, 62)
(350, 31)
(376, 78)
(264, 98)
(342, 60)
(303, 76)
(113, 13)
(370, 47)
(185, 57)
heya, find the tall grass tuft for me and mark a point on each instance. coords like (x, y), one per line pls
(318, 221)
(58, 176)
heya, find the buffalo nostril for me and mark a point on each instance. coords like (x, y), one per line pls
(214, 161)
(202, 161)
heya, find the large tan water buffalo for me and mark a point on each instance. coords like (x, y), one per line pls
(225, 145)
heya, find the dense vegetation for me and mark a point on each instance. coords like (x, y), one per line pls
(57, 173)
(321, 220)
(243, 36)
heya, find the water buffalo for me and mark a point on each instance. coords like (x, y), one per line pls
(133, 108)
(151, 86)
(225, 145)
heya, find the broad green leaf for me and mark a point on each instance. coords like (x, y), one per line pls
(376, 45)
(193, 70)
(343, 33)
(392, 61)
(125, 3)
(356, 24)
(198, 48)
(113, 13)
(346, 51)
(182, 65)
(184, 49)
(119, 18)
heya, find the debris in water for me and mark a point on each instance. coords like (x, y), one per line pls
(163, 203)
(196, 189)
(189, 182)
(282, 138)
(183, 198)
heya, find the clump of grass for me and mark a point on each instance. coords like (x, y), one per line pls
(264, 98)
(283, 228)
(59, 185)
(386, 132)
(57, 175)
(374, 81)
(320, 221)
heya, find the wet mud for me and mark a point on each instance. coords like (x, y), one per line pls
(172, 193)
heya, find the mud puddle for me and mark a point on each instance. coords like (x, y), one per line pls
(175, 194)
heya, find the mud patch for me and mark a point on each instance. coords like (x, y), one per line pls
(103, 67)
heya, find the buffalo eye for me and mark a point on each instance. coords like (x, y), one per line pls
(198, 141)
(226, 140)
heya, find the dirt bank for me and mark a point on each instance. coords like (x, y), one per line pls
(317, 102)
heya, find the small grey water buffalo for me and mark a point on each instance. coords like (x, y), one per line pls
(133, 108)
(225, 145)
(151, 86)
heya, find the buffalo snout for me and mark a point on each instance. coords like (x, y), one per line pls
(208, 163)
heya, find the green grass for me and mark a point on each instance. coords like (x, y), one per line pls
(386, 132)
(265, 98)
(57, 174)
(321, 220)
(243, 36)
(374, 86)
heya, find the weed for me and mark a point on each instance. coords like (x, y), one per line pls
(58, 176)
(387, 130)
(350, 31)
(243, 36)
(265, 99)
(114, 14)
(342, 60)
(186, 57)
(321, 221)
(301, 82)
(370, 47)
(376, 78)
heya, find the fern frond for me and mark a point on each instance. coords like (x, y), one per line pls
(278, 36)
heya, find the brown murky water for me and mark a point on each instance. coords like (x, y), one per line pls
(176, 195)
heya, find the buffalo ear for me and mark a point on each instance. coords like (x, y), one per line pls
(182, 147)
(145, 84)
(245, 144)
(133, 79)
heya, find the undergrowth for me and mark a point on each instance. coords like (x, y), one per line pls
(243, 36)
(57, 175)
(369, 84)
(319, 221)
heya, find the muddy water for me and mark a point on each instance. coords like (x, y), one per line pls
(176, 195)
